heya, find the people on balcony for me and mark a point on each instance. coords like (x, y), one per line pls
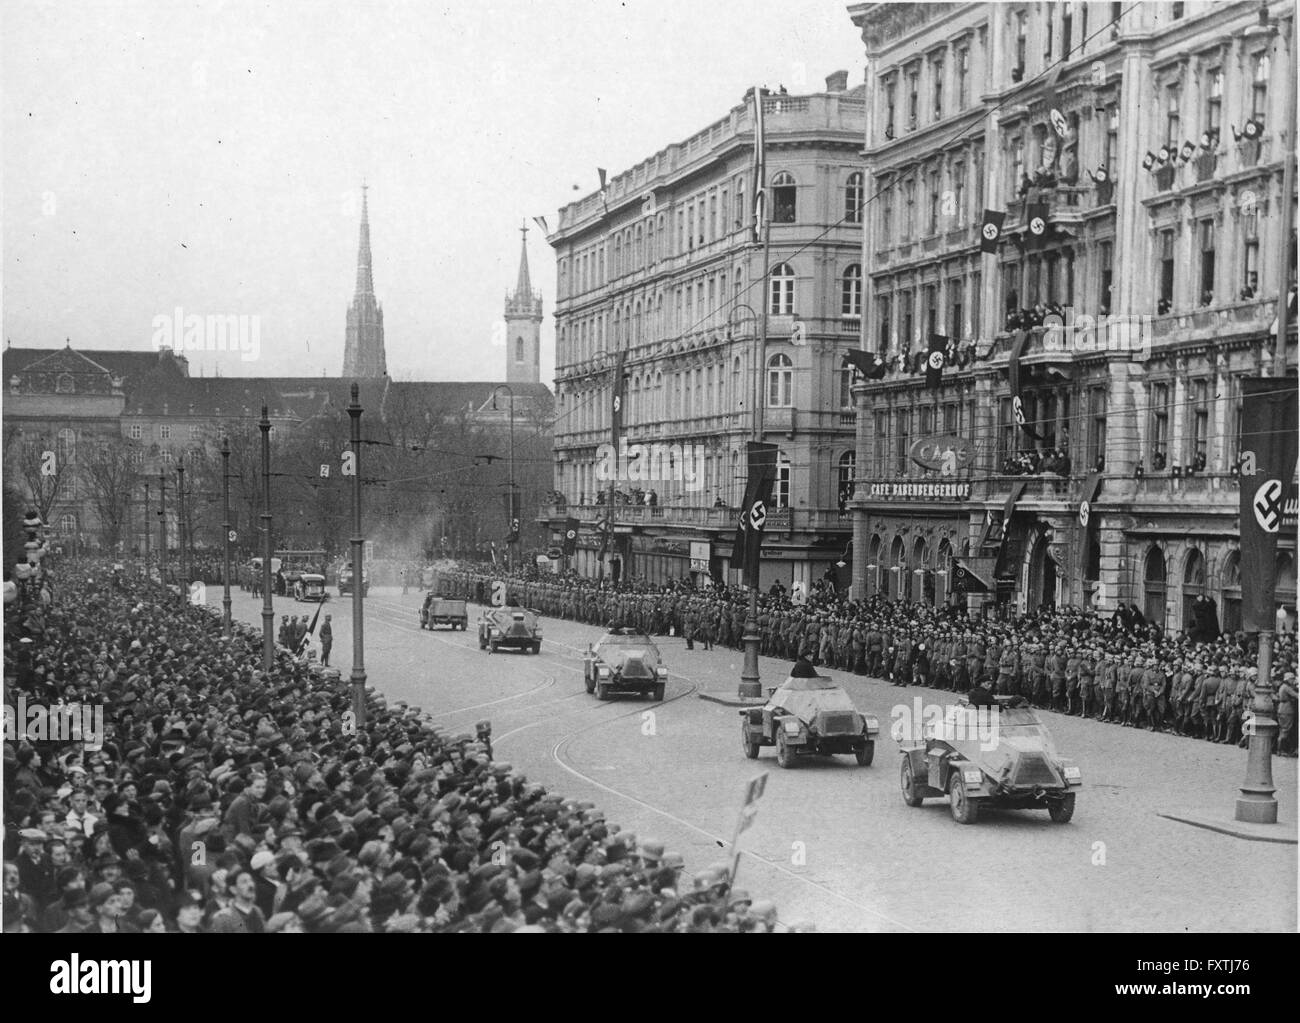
(1159, 460)
(1037, 463)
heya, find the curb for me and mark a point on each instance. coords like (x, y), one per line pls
(1239, 829)
(756, 701)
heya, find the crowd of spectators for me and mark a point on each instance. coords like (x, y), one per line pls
(219, 797)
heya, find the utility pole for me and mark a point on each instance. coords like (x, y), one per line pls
(358, 575)
(1258, 800)
(225, 538)
(148, 572)
(268, 608)
(750, 683)
(180, 529)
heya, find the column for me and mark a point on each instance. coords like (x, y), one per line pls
(1132, 244)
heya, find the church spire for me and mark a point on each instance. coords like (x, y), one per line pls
(365, 276)
(363, 348)
(523, 286)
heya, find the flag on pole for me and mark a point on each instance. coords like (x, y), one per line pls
(753, 510)
(311, 631)
(1013, 377)
(991, 230)
(759, 191)
(866, 363)
(1268, 474)
(600, 171)
(541, 222)
(935, 360)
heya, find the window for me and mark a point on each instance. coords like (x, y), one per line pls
(1022, 45)
(884, 319)
(907, 334)
(887, 218)
(975, 279)
(1259, 88)
(956, 208)
(1017, 163)
(136, 432)
(137, 457)
(923, 427)
(1010, 287)
(1214, 102)
(1112, 139)
(853, 199)
(880, 442)
(783, 199)
(165, 432)
(909, 209)
(1199, 439)
(780, 381)
(936, 72)
(195, 432)
(848, 462)
(1173, 97)
(963, 77)
(519, 349)
(737, 394)
(65, 384)
(167, 456)
(1166, 272)
(1049, 36)
(1207, 262)
(913, 96)
(1154, 586)
(851, 291)
(781, 491)
(781, 291)
(65, 446)
(1106, 276)
(846, 387)
(713, 215)
(1250, 268)
(932, 308)
(1159, 426)
(740, 202)
(890, 91)
(902, 424)
(68, 524)
(1177, 11)
(956, 306)
(1067, 30)
(690, 226)
(935, 195)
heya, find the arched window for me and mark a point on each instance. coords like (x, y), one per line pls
(844, 492)
(519, 349)
(922, 572)
(650, 255)
(660, 410)
(618, 255)
(633, 392)
(66, 446)
(780, 381)
(65, 384)
(900, 586)
(781, 491)
(639, 259)
(875, 551)
(68, 524)
(737, 393)
(1193, 585)
(853, 199)
(943, 572)
(784, 198)
(851, 291)
(636, 324)
(733, 484)
(1154, 587)
(781, 291)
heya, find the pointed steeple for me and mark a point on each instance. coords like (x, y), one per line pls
(523, 286)
(363, 349)
(365, 276)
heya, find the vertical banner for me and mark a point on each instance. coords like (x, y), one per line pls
(1013, 380)
(1268, 474)
(570, 545)
(616, 400)
(753, 511)
(934, 361)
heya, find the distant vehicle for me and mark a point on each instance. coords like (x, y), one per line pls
(808, 716)
(345, 580)
(1020, 770)
(515, 628)
(292, 565)
(442, 611)
(624, 661)
(310, 586)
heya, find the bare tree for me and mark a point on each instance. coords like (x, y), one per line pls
(47, 474)
(111, 470)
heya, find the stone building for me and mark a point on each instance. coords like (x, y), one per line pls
(660, 272)
(1152, 290)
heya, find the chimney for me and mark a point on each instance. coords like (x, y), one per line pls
(837, 81)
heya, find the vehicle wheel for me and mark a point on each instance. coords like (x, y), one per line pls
(602, 691)
(784, 754)
(537, 648)
(964, 809)
(1062, 811)
(492, 647)
(748, 744)
(911, 790)
(590, 683)
(866, 754)
(482, 643)
(659, 692)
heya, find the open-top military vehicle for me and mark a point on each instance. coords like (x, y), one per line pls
(513, 627)
(624, 661)
(808, 715)
(999, 756)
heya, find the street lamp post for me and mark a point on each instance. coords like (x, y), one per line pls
(358, 573)
(147, 532)
(268, 608)
(225, 537)
(180, 529)
(162, 528)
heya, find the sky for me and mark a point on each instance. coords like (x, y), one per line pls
(208, 157)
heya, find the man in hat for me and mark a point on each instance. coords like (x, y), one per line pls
(326, 640)
(35, 869)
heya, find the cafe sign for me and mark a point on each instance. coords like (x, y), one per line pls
(946, 454)
(922, 490)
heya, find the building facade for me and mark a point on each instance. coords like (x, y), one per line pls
(659, 276)
(1150, 293)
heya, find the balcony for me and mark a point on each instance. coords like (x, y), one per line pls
(1047, 487)
(1165, 177)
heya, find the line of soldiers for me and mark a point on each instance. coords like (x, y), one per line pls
(1066, 660)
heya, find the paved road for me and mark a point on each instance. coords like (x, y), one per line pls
(833, 842)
